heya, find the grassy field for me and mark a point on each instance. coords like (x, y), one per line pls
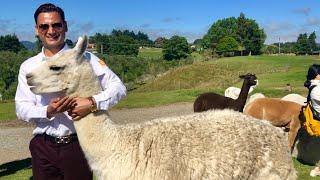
(20, 170)
(7, 111)
(150, 52)
(185, 83)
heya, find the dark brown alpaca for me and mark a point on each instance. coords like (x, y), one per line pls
(209, 100)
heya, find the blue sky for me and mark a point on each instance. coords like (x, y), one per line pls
(284, 19)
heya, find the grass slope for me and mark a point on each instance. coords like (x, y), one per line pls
(185, 83)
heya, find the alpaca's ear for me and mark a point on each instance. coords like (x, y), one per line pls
(81, 45)
(241, 76)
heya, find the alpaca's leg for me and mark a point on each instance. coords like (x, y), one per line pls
(294, 128)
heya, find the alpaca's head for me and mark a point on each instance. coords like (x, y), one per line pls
(251, 79)
(59, 73)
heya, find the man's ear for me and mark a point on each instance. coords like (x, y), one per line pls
(36, 30)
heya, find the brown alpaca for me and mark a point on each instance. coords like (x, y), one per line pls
(209, 100)
(280, 113)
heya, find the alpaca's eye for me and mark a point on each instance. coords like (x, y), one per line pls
(56, 68)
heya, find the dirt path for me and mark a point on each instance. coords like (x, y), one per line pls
(15, 136)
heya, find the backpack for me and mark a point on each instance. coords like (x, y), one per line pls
(312, 118)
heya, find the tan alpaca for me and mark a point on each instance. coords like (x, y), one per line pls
(287, 113)
(221, 144)
(279, 113)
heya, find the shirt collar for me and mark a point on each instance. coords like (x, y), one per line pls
(42, 55)
(315, 82)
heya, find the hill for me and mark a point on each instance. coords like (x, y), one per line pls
(29, 45)
(184, 83)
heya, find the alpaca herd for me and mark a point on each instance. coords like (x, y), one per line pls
(220, 143)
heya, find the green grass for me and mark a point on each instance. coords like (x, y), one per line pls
(150, 52)
(7, 111)
(20, 170)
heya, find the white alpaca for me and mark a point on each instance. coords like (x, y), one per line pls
(254, 97)
(233, 92)
(213, 145)
(297, 98)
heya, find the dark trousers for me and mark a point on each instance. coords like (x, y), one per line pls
(58, 161)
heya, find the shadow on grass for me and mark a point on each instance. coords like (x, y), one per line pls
(14, 166)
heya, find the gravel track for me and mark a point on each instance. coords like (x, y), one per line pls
(15, 135)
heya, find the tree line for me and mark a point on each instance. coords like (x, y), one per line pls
(226, 37)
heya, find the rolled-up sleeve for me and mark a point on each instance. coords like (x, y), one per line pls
(113, 90)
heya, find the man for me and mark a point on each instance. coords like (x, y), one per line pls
(55, 150)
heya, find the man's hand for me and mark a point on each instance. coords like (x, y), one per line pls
(59, 105)
(80, 109)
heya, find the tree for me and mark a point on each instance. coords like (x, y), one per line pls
(270, 49)
(10, 43)
(226, 45)
(245, 31)
(220, 29)
(69, 43)
(312, 41)
(122, 45)
(302, 45)
(38, 44)
(159, 42)
(249, 34)
(176, 48)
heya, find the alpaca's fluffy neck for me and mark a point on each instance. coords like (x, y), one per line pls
(95, 128)
(88, 83)
(241, 101)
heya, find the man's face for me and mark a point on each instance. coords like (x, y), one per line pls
(51, 29)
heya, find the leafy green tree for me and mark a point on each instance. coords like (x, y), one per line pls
(38, 44)
(10, 43)
(220, 29)
(226, 45)
(69, 43)
(9, 69)
(270, 49)
(117, 43)
(250, 36)
(302, 45)
(176, 48)
(312, 41)
(123, 45)
(245, 31)
(159, 42)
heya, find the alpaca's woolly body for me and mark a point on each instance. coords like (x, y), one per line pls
(211, 145)
(297, 98)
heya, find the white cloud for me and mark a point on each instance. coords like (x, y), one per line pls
(305, 11)
(313, 21)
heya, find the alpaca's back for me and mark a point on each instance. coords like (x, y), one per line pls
(210, 145)
(297, 98)
(278, 112)
(209, 101)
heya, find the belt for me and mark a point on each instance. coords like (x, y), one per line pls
(61, 139)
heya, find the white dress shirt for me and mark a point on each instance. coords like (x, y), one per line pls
(33, 108)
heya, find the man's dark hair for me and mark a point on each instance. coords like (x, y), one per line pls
(48, 7)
